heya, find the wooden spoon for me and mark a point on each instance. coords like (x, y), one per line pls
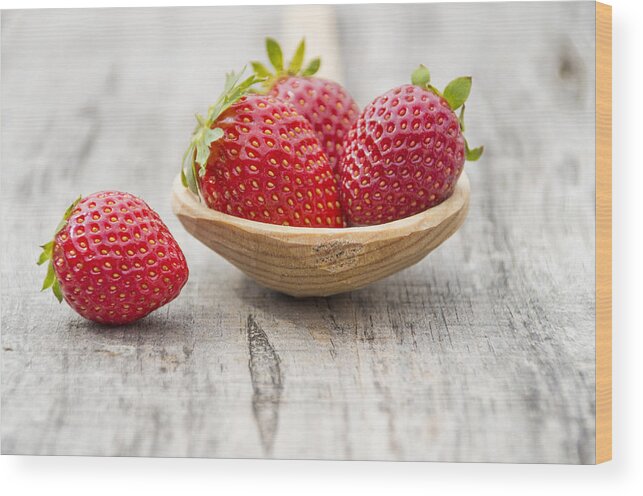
(302, 261)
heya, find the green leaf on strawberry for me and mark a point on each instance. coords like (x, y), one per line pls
(49, 278)
(275, 55)
(421, 76)
(260, 69)
(473, 154)
(47, 249)
(67, 214)
(298, 58)
(47, 254)
(457, 92)
(312, 67)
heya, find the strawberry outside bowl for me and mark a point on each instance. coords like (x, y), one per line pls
(305, 261)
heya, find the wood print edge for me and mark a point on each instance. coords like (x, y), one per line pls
(603, 233)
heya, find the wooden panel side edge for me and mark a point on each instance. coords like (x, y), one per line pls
(603, 232)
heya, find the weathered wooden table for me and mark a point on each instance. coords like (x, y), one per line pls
(482, 352)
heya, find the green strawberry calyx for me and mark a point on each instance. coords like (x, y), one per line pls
(276, 57)
(46, 256)
(195, 158)
(455, 94)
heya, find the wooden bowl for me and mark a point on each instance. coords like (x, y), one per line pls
(302, 261)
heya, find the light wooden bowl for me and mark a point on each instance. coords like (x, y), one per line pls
(302, 261)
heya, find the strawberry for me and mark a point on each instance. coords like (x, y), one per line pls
(326, 104)
(113, 259)
(255, 157)
(405, 152)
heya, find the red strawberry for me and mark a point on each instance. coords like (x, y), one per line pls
(257, 158)
(113, 259)
(405, 152)
(326, 104)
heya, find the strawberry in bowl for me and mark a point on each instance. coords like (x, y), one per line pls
(405, 152)
(327, 105)
(255, 157)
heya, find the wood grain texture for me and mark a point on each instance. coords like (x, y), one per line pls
(484, 351)
(603, 233)
(316, 261)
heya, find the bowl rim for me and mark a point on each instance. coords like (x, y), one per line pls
(182, 197)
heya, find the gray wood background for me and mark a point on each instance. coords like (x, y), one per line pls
(482, 352)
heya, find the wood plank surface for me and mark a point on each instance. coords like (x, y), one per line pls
(484, 351)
